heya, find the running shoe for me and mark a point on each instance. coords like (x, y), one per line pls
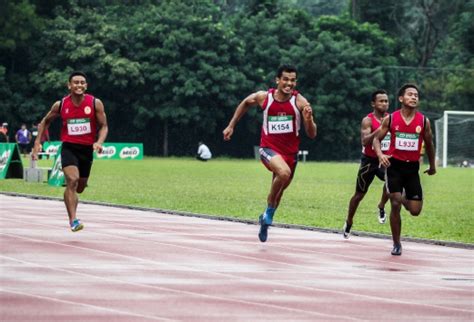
(346, 230)
(263, 232)
(382, 216)
(76, 225)
(397, 250)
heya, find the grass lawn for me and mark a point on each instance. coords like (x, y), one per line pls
(318, 196)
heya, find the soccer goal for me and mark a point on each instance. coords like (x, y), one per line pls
(455, 138)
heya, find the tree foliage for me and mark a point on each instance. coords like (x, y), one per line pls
(172, 72)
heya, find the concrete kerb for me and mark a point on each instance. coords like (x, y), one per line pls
(251, 222)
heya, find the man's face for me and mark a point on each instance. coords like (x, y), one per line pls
(287, 82)
(77, 85)
(409, 98)
(381, 103)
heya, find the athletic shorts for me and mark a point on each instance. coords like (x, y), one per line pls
(369, 168)
(24, 147)
(266, 154)
(77, 155)
(404, 175)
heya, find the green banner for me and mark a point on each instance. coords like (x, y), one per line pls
(10, 161)
(111, 150)
(121, 151)
(51, 147)
(57, 175)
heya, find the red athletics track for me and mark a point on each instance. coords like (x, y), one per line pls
(131, 265)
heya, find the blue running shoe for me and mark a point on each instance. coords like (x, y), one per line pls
(76, 225)
(263, 233)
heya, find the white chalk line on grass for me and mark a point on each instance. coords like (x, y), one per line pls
(345, 293)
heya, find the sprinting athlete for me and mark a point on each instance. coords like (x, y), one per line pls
(284, 109)
(83, 118)
(369, 163)
(408, 129)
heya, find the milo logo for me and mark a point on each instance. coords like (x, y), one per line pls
(107, 152)
(129, 152)
(52, 149)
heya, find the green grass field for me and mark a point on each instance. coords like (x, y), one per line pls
(318, 196)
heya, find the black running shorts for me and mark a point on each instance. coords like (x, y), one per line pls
(404, 175)
(369, 168)
(77, 155)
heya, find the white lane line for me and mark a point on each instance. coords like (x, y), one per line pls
(194, 294)
(345, 293)
(293, 250)
(90, 306)
(123, 213)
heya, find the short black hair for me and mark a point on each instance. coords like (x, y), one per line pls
(286, 68)
(377, 92)
(402, 89)
(77, 73)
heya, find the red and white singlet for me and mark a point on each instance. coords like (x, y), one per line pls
(407, 139)
(78, 122)
(281, 124)
(368, 149)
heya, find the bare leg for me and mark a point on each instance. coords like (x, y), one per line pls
(384, 198)
(353, 205)
(71, 174)
(413, 206)
(281, 180)
(395, 219)
(74, 185)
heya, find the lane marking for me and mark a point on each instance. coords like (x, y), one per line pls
(100, 308)
(345, 293)
(293, 251)
(161, 288)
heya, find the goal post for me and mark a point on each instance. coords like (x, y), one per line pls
(454, 137)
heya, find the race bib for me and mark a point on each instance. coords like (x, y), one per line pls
(385, 143)
(280, 124)
(406, 141)
(78, 126)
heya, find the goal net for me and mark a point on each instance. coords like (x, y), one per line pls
(455, 138)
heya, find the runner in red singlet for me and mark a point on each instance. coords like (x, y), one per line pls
(83, 118)
(284, 109)
(409, 129)
(369, 163)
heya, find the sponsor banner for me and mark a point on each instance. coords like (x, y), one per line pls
(111, 150)
(51, 147)
(11, 165)
(121, 151)
(57, 175)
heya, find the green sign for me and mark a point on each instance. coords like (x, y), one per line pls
(57, 175)
(121, 151)
(51, 147)
(10, 161)
(111, 150)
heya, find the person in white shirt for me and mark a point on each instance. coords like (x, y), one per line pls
(203, 152)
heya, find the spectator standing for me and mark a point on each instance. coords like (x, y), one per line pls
(23, 138)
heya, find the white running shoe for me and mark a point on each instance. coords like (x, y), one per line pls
(346, 230)
(382, 216)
